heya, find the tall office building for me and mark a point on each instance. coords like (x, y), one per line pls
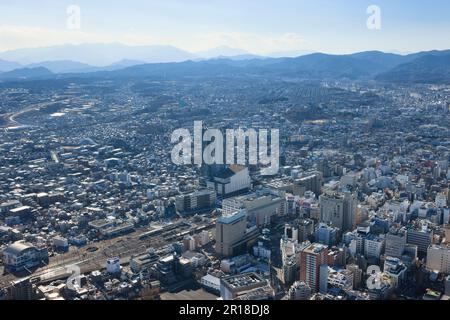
(373, 247)
(309, 182)
(332, 210)
(323, 279)
(305, 229)
(357, 275)
(448, 197)
(290, 270)
(395, 243)
(438, 258)
(396, 270)
(447, 285)
(326, 235)
(311, 259)
(421, 237)
(339, 210)
(232, 235)
(350, 207)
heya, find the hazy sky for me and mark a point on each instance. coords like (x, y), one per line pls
(258, 26)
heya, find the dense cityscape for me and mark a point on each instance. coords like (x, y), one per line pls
(92, 206)
(225, 158)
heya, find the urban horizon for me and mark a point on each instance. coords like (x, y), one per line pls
(236, 158)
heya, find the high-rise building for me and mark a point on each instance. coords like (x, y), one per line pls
(448, 197)
(332, 209)
(357, 275)
(395, 243)
(22, 289)
(441, 200)
(421, 237)
(438, 258)
(373, 247)
(394, 268)
(326, 235)
(323, 279)
(290, 270)
(447, 285)
(232, 235)
(290, 232)
(311, 259)
(310, 182)
(305, 229)
(339, 210)
(350, 208)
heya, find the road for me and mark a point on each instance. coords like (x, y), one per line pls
(11, 117)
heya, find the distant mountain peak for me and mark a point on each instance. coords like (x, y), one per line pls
(222, 51)
(98, 54)
(26, 73)
(6, 66)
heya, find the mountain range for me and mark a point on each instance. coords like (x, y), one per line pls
(118, 60)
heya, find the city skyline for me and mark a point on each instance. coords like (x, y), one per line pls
(299, 159)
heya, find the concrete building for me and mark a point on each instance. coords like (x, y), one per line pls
(260, 206)
(394, 268)
(113, 266)
(373, 247)
(22, 256)
(339, 210)
(395, 243)
(309, 182)
(311, 259)
(211, 283)
(323, 279)
(232, 235)
(421, 237)
(233, 286)
(290, 232)
(144, 261)
(326, 235)
(447, 285)
(196, 201)
(357, 275)
(60, 243)
(290, 270)
(438, 258)
(305, 229)
(299, 291)
(232, 181)
(341, 278)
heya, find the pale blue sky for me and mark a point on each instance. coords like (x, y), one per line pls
(258, 26)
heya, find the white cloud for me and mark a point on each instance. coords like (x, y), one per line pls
(15, 37)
